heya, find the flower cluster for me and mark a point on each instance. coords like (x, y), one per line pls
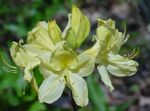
(55, 54)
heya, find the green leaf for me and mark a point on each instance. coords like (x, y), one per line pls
(36, 106)
(96, 94)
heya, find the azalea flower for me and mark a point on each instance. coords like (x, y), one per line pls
(55, 53)
(108, 59)
(65, 68)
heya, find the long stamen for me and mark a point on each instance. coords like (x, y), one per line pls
(6, 66)
(9, 70)
(134, 53)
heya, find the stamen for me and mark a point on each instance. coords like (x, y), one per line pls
(9, 70)
(126, 36)
(134, 53)
(6, 66)
(4, 61)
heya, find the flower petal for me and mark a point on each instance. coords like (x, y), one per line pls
(39, 36)
(105, 76)
(111, 38)
(79, 89)
(86, 61)
(44, 71)
(63, 57)
(119, 72)
(32, 63)
(51, 89)
(86, 65)
(120, 66)
(54, 32)
(36, 50)
(23, 59)
(78, 29)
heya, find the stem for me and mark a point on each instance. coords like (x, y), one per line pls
(74, 106)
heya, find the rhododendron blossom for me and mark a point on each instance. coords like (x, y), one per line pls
(55, 53)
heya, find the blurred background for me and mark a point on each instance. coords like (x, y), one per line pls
(17, 17)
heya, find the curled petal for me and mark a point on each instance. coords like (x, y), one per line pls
(23, 59)
(120, 66)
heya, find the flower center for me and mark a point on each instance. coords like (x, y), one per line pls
(63, 59)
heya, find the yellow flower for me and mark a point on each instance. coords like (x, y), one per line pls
(65, 67)
(108, 59)
(61, 65)
(54, 52)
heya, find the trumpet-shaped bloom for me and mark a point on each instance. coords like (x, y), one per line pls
(54, 52)
(108, 58)
(65, 68)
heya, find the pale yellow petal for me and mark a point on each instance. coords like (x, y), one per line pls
(36, 50)
(86, 65)
(24, 60)
(40, 36)
(51, 89)
(54, 32)
(78, 88)
(75, 18)
(63, 58)
(120, 66)
(32, 63)
(77, 29)
(109, 36)
(44, 71)
(105, 77)
(83, 30)
(71, 39)
(94, 50)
